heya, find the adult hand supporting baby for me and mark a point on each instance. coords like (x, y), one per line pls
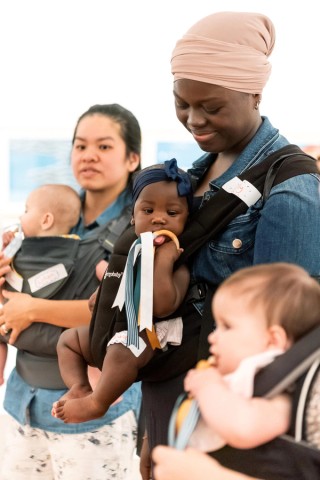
(190, 464)
(14, 313)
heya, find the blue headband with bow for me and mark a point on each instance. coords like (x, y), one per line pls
(163, 172)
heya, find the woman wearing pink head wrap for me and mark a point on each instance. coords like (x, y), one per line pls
(229, 49)
(220, 67)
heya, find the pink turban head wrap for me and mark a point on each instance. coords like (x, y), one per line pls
(229, 49)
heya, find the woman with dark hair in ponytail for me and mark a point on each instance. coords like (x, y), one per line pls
(106, 150)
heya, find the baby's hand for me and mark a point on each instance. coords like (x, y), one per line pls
(7, 237)
(101, 268)
(198, 379)
(92, 300)
(169, 250)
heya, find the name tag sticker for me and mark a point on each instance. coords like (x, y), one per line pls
(47, 277)
(15, 280)
(242, 189)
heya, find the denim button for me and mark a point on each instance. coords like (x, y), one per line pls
(237, 243)
(32, 390)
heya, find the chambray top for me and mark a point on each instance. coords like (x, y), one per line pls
(33, 405)
(113, 211)
(286, 228)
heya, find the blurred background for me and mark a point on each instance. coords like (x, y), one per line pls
(58, 58)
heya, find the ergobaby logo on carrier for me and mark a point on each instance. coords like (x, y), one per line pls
(113, 274)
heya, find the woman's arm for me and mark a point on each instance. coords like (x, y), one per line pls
(289, 226)
(21, 310)
(190, 464)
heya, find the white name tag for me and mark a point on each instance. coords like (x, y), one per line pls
(15, 280)
(47, 277)
(242, 189)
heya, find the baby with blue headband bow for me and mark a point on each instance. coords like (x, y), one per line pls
(162, 200)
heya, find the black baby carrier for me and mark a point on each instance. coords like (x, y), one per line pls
(37, 356)
(296, 455)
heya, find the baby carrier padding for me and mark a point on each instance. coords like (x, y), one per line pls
(289, 456)
(37, 357)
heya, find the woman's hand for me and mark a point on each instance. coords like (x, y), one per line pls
(15, 314)
(190, 464)
(7, 237)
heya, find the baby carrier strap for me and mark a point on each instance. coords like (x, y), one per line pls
(106, 320)
(295, 371)
(98, 246)
(220, 209)
(288, 367)
(217, 213)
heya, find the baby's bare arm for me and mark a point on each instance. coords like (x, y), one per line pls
(170, 286)
(242, 422)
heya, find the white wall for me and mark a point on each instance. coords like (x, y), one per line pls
(60, 57)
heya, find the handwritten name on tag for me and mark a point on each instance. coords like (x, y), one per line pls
(47, 277)
(242, 189)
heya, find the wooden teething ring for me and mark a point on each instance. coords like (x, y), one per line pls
(169, 234)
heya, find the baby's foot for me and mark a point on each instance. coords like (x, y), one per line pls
(78, 410)
(76, 391)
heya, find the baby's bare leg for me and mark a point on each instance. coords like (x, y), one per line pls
(119, 371)
(74, 356)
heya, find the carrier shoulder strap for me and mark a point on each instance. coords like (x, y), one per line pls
(223, 207)
(294, 371)
(116, 227)
(279, 375)
(217, 213)
(107, 234)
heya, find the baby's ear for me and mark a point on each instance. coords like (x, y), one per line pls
(278, 337)
(47, 221)
(132, 221)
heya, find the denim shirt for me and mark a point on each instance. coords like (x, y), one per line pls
(33, 405)
(286, 228)
(113, 211)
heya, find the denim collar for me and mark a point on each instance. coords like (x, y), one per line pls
(112, 211)
(266, 140)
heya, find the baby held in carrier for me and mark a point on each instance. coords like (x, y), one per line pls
(267, 321)
(162, 199)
